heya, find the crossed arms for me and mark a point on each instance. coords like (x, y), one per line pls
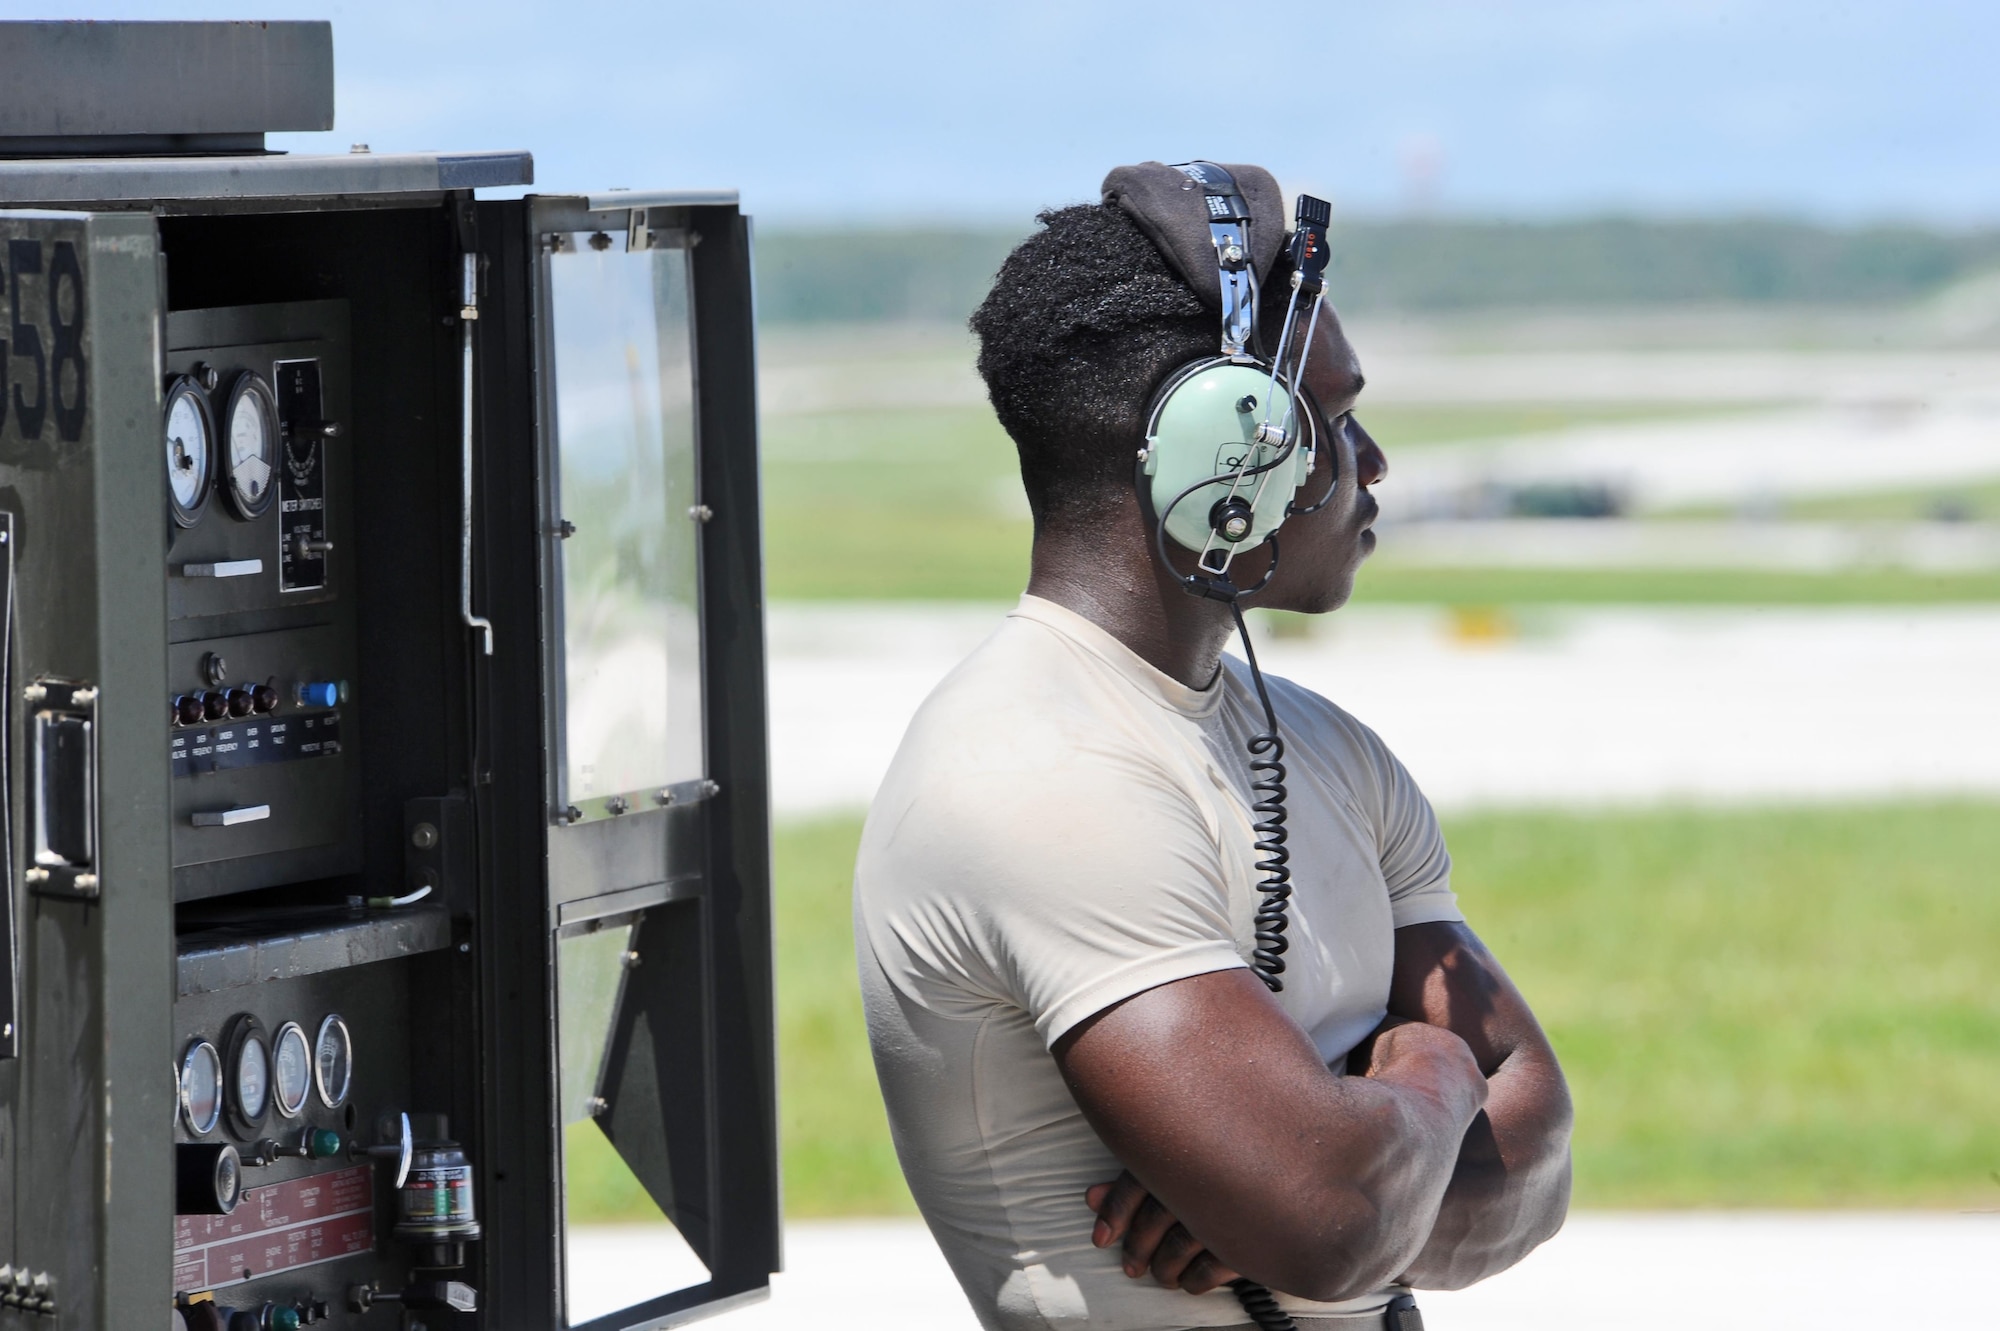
(1445, 1160)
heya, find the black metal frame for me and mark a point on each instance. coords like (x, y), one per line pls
(712, 854)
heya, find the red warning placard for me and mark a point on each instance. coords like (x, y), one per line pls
(276, 1228)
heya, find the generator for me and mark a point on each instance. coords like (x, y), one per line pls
(387, 939)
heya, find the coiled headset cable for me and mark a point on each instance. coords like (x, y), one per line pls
(1267, 806)
(1267, 960)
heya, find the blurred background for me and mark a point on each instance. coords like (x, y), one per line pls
(1682, 331)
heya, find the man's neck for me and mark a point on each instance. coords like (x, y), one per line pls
(1111, 578)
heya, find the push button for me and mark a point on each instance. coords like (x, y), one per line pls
(319, 693)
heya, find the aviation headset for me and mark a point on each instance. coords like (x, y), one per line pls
(1230, 440)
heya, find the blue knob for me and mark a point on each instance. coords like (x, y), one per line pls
(319, 693)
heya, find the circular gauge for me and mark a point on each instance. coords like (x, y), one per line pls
(190, 441)
(333, 1061)
(250, 446)
(247, 1056)
(291, 1069)
(201, 1088)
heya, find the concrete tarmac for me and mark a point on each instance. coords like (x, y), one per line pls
(1557, 707)
(1606, 1271)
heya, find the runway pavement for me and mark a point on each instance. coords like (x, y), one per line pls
(1750, 1271)
(1570, 707)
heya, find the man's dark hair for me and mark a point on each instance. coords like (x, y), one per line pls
(1084, 321)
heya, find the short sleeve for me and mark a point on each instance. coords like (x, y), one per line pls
(1061, 895)
(1415, 864)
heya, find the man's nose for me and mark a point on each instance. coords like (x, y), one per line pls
(1370, 465)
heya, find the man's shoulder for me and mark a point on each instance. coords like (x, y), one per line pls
(1321, 731)
(1024, 753)
(1026, 697)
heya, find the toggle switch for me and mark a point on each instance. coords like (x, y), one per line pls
(242, 813)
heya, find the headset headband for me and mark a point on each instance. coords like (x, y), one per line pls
(1229, 232)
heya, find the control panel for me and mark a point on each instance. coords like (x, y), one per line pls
(260, 595)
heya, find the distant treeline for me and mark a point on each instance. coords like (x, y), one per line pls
(939, 274)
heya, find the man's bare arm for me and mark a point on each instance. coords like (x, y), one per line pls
(1308, 1182)
(1510, 1189)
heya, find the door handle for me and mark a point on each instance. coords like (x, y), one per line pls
(244, 813)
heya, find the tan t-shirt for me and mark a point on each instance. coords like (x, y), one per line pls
(1064, 827)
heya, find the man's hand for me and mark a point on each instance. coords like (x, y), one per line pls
(1154, 1240)
(1306, 1181)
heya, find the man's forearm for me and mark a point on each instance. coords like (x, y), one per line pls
(1510, 1188)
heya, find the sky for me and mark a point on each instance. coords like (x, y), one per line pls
(893, 111)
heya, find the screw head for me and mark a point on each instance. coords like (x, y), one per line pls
(424, 836)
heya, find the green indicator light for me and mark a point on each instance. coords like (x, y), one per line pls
(324, 1144)
(284, 1319)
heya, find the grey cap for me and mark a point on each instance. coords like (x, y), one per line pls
(1170, 207)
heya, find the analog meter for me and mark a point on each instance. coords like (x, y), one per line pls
(250, 446)
(190, 440)
(333, 1061)
(291, 1069)
(201, 1088)
(247, 1056)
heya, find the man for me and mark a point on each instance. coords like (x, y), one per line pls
(1102, 1112)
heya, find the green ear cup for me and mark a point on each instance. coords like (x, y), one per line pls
(1206, 426)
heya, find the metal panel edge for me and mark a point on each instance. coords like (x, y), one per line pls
(138, 180)
(124, 300)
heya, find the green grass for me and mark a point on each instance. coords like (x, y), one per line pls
(1759, 1008)
(838, 1159)
(926, 505)
(893, 505)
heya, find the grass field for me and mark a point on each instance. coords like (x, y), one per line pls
(1757, 1008)
(926, 505)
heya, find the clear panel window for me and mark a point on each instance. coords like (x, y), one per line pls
(621, 1246)
(625, 449)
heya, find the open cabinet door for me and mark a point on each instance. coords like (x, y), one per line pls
(661, 1093)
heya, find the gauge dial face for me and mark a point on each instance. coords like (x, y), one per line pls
(246, 1057)
(250, 445)
(291, 1069)
(189, 446)
(253, 1079)
(201, 1088)
(333, 1061)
